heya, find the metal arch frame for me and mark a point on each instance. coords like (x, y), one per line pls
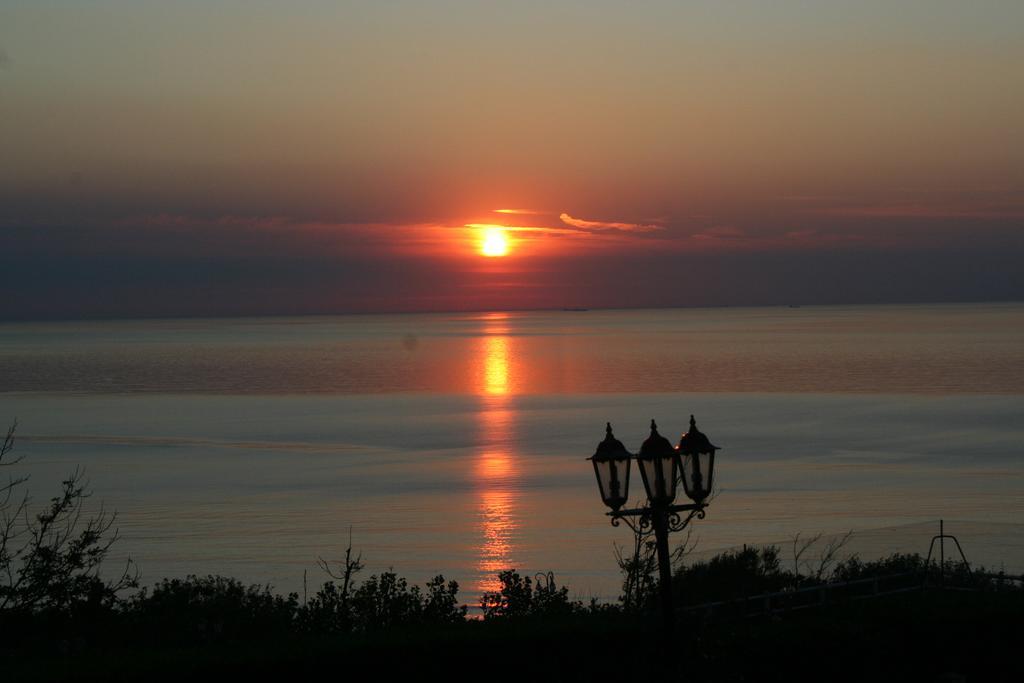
(941, 538)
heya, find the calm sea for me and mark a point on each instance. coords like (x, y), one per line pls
(456, 444)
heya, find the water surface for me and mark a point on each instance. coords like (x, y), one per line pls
(456, 444)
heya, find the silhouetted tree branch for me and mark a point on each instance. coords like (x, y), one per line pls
(51, 560)
(638, 571)
(826, 558)
(349, 568)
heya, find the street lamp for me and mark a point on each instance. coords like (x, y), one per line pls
(662, 467)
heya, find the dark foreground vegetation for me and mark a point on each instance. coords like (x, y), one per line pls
(60, 620)
(214, 627)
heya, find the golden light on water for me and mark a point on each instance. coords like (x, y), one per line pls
(495, 356)
(496, 474)
(495, 471)
(495, 466)
(498, 526)
(496, 363)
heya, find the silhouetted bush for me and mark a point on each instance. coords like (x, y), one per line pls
(853, 568)
(956, 574)
(381, 602)
(519, 597)
(732, 575)
(441, 603)
(385, 601)
(328, 611)
(209, 608)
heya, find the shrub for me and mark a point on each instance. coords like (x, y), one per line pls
(327, 612)
(441, 604)
(385, 601)
(210, 608)
(518, 597)
(732, 575)
(854, 568)
(382, 602)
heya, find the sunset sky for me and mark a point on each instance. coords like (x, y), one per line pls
(223, 158)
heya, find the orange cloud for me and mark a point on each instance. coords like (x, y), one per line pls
(526, 228)
(607, 225)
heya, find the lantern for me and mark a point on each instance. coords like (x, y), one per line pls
(697, 460)
(611, 466)
(658, 467)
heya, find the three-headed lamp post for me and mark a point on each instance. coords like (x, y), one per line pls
(662, 467)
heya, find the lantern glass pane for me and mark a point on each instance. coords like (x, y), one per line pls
(644, 466)
(669, 471)
(619, 489)
(601, 472)
(612, 480)
(659, 475)
(697, 475)
(708, 469)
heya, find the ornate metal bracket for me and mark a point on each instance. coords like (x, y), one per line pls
(644, 523)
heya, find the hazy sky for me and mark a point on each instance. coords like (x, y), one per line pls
(265, 157)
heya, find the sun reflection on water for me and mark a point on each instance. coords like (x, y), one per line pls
(499, 526)
(496, 356)
(496, 470)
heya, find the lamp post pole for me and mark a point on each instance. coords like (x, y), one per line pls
(662, 467)
(664, 568)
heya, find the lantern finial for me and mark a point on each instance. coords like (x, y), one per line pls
(693, 423)
(654, 426)
(608, 428)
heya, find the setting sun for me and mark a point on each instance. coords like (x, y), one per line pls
(495, 242)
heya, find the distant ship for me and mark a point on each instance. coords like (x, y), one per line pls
(576, 310)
